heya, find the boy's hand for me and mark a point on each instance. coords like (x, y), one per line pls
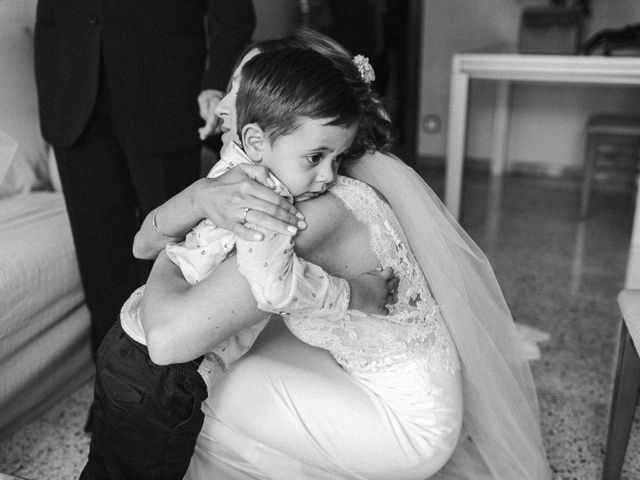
(372, 291)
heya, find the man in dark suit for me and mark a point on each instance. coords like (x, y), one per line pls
(118, 84)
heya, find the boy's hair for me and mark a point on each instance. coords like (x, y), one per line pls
(375, 131)
(280, 87)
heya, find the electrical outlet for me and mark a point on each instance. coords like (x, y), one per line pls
(431, 123)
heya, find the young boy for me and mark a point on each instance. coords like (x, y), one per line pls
(146, 416)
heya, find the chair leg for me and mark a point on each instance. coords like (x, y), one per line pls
(626, 390)
(587, 175)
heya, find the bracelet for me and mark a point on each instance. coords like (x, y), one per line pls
(154, 222)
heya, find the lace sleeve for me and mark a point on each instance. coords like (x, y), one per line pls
(283, 283)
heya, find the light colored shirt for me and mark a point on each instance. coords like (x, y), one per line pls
(280, 281)
(206, 246)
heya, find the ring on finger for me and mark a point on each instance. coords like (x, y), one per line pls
(244, 215)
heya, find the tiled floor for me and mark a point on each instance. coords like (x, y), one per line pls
(54, 447)
(558, 274)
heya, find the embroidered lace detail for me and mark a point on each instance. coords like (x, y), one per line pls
(413, 332)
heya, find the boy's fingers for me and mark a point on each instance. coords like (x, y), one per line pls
(387, 273)
(393, 298)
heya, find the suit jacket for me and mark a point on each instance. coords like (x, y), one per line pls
(150, 53)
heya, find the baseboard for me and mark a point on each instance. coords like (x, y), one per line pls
(476, 164)
(610, 181)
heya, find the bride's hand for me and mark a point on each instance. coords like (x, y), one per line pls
(244, 195)
(224, 200)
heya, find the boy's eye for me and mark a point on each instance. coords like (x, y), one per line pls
(315, 158)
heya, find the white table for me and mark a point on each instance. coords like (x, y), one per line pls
(505, 66)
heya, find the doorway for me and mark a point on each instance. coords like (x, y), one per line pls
(388, 32)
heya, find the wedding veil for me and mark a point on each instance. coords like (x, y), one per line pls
(501, 438)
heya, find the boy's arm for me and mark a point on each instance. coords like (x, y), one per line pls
(222, 200)
(284, 283)
(183, 321)
(206, 245)
(204, 248)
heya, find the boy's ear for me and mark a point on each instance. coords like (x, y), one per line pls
(254, 141)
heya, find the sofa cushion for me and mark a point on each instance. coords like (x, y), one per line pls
(27, 169)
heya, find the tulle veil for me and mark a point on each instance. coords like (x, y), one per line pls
(502, 438)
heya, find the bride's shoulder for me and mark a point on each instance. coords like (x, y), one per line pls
(347, 188)
(325, 204)
(323, 215)
(327, 218)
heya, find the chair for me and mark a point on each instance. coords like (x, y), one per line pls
(626, 387)
(613, 142)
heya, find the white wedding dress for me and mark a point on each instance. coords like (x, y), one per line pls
(440, 388)
(386, 403)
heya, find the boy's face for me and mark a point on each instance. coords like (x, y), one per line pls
(306, 160)
(226, 108)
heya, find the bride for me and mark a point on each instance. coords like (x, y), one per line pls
(436, 389)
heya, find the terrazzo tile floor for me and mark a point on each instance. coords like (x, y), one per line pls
(558, 274)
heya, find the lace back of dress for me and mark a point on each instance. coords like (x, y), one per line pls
(416, 312)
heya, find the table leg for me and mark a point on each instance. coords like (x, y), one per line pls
(500, 129)
(626, 389)
(456, 136)
(492, 224)
(632, 280)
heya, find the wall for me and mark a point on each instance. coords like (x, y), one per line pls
(274, 18)
(546, 130)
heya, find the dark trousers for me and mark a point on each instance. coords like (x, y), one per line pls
(147, 417)
(110, 184)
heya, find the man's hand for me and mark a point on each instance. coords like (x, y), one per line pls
(244, 195)
(207, 102)
(372, 291)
